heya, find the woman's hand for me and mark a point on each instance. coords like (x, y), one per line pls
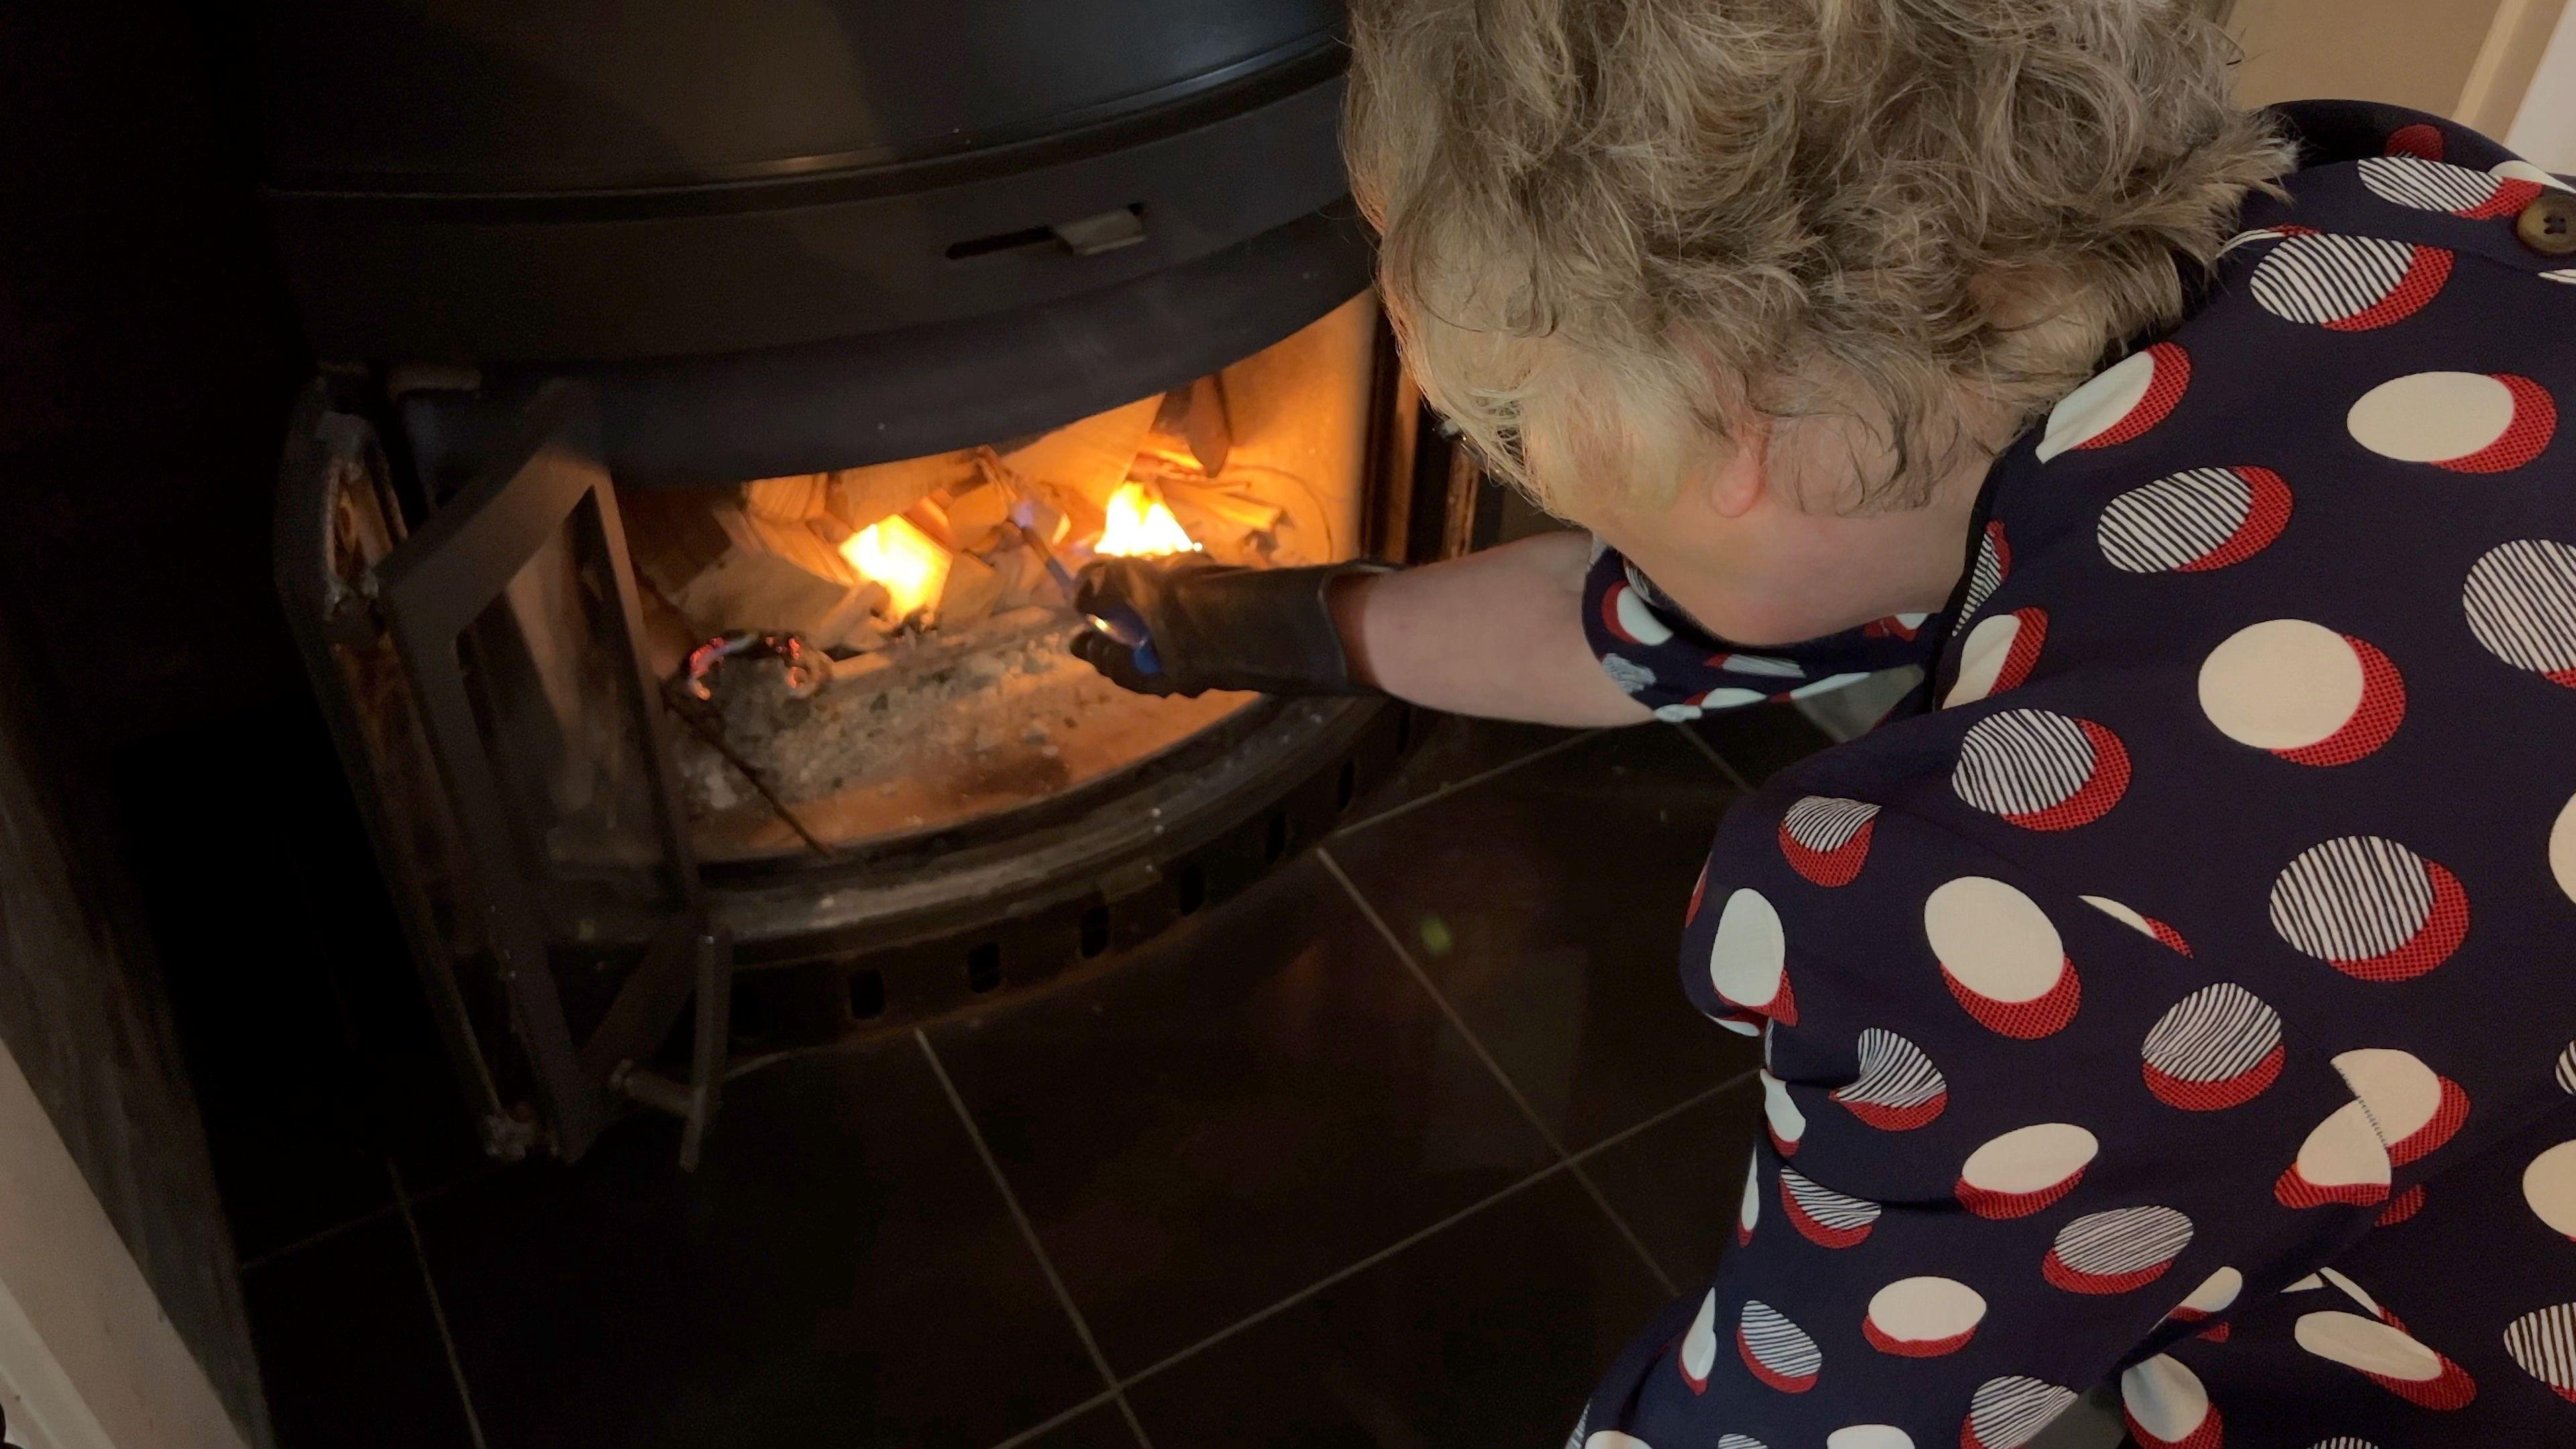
(1498, 633)
(1211, 626)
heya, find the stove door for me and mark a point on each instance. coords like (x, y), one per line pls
(513, 611)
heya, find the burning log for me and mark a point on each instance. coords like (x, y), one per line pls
(861, 496)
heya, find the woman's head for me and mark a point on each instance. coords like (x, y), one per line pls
(1628, 240)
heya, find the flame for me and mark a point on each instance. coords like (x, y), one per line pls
(906, 560)
(1139, 524)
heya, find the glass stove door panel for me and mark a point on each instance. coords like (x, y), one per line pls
(514, 610)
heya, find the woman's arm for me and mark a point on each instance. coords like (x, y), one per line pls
(1498, 633)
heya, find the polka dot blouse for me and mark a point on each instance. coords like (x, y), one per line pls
(2179, 992)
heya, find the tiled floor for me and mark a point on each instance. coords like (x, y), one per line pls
(1397, 1150)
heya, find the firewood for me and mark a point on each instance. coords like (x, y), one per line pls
(1091, 456)
(974, 586)
(726, 568)
(1248, 514)
(861, 496)
(798, 499)
(976, 513)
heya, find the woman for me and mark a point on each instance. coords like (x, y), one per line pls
(2179, 989)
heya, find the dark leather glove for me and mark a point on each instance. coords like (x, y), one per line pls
(1214, 626)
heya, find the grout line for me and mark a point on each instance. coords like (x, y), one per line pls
(1029, 1234)
(1455, 786)
(1330, 1279)
(1392, 1249)
(1644, 1255)
(1059, 1421)
(1669, 1113)
(309, 1240)
(437, 1310)
(1396, 944)
(1714, 758)
(1510, 1088)
(471, 1175)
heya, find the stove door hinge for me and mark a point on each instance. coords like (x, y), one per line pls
(353, 618)
(510, 1136)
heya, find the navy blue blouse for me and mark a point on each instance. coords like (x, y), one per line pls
(2181, 987)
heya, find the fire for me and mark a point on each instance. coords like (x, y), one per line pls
(912, 566)
(1139, 524)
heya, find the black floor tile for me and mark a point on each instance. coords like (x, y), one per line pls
(840, 1271)
(348, 1347)
(1102, 1428)
(1260, 1100)
(1490, 1332)
(1761, 740)
(1680, 1182)
(1548, 906)
(1454, 749)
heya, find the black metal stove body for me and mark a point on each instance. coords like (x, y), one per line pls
(547, 244)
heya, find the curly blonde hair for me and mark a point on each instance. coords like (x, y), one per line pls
(1614, 230)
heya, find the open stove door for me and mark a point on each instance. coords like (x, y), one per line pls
(496, 650)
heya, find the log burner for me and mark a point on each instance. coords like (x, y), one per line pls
(678, 534)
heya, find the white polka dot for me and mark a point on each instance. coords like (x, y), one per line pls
(1613, 1439)
(1983, 658)
(1788, 1125)
(2216, 1293)
(2414, 1108)
(2432, 417)
(2342, 1161)
(1826, 685)
(1638, 618)
(1914, 1313)
(1869, 1436)
(1993, 939)
(2562, 848)
(2366, 1344)
(2122, 401)
(1747, 959)
(2281, 685)
(1699, 1345)
(2549, 1185)
(2024, 1170)
(2164, 1399)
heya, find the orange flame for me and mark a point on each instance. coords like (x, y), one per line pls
(912, 566)
(1139, 524)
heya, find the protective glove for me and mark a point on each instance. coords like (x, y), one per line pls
(1213, 626)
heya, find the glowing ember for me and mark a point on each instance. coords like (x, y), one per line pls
(1139, 524)
(892, 552)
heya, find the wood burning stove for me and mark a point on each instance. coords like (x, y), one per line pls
(678, 534)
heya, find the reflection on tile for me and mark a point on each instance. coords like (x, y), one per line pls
(1680, 1182)
(1101, 1428)
(348, 1349)
(1761, 740)
(1454, 749)
(1490, 1332)
(1255, 1102)
(841, 1270)
(1548, 906)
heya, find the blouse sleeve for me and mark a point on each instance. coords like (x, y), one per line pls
(1667, 662)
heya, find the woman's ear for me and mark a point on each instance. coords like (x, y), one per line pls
(1740, 481)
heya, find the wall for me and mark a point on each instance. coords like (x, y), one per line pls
(2544, 128)
(2468, 59)
(114, 1255)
